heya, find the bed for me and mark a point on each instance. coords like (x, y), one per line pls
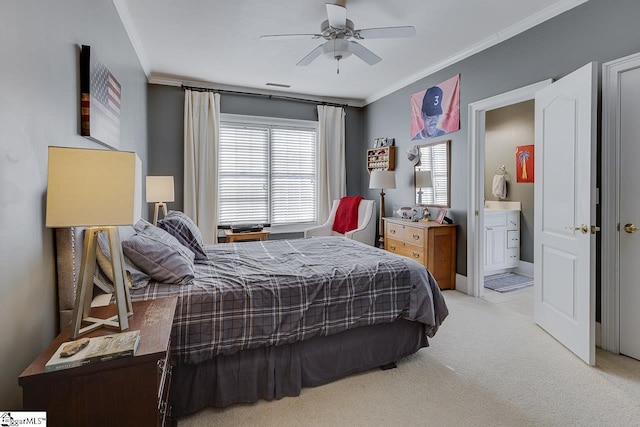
(262, 320)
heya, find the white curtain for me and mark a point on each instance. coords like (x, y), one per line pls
(331, 165)
(201, 137)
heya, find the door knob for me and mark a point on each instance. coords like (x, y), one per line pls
(630, 228)
(584, 228)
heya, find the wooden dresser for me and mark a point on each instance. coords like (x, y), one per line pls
(130, 391)
(431, 244)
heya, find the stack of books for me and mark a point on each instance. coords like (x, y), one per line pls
(84, 351)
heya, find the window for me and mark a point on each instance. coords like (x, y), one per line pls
(267, 171)
(434, 157)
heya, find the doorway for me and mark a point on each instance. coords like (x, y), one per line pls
(509, 206)
(477, 170)
(565, 204)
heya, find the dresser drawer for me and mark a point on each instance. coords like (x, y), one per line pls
(513, 239)
(413, 235)
(405, 249)
(405, 233)
(393, 230)
(513, 257)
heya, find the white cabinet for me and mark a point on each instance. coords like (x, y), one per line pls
(502, 240)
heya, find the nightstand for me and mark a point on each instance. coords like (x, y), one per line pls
(131, 391)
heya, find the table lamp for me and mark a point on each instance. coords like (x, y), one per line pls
(100, 190)
(422, 180)
(159, 191)
(382, 179)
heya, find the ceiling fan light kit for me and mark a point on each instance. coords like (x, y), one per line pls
(338, 32)
(336, 49)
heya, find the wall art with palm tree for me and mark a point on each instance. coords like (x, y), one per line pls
(524, 163)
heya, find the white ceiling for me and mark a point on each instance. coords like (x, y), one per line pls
(218, 42)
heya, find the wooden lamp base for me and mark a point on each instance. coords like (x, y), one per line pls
(84, 291)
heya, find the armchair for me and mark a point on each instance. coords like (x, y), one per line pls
(366, 231)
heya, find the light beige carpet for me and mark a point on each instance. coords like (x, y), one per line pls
(487, 366)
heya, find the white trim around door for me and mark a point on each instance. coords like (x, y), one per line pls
(475, 215)
(611, 73)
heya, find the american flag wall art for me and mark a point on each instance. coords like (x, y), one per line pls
(100, 100)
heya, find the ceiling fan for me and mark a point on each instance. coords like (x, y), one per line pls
(338, 31)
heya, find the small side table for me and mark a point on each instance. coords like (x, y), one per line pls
(130, 391)
(253, 235)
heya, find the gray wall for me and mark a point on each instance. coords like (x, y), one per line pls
(39, 107)
(599, 30)
(505, 129)
(166, 132)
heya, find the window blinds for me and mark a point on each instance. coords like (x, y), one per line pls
(267, 174)
(434, 158)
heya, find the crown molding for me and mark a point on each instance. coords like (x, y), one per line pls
(520, 27)
(134, 38)
(165, 80)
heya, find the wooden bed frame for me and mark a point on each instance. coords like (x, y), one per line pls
(261, 373)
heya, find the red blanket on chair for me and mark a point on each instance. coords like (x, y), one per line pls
(347, 214)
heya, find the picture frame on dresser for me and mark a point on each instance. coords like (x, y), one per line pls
(442, 213)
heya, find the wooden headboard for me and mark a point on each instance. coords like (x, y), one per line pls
(68, 258)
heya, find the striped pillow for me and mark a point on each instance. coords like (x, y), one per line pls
(159, 254)
(180, 226)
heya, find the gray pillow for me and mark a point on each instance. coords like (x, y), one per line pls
(180, 226)
(103, 276)
(159, 254)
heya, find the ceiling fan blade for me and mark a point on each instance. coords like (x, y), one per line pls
(289, 36)
(363, 53)
(385, 33)
(310, 56)
(337, 15)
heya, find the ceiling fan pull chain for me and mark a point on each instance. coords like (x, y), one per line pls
(338, 66)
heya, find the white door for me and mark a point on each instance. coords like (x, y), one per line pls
(564, 248)
(629, 213)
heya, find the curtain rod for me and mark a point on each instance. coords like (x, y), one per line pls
(289, 98)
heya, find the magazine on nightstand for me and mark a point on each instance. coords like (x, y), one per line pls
(84, 351)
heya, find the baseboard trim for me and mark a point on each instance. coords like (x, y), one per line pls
(462, 284)
(525, 268)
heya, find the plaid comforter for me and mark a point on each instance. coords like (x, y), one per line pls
(255, 294)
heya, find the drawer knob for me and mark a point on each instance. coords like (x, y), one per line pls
(416, 236)
(392, 231)
(393, 247)
(416, 255)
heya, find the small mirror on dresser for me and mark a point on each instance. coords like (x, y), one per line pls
(431, 175)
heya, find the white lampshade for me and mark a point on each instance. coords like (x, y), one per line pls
(160, 189)
(423, 179)
(93, 187)
(382, 179)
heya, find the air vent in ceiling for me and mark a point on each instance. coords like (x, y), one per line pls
(278, 85)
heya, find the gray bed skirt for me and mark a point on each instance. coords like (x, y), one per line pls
(275, 372)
